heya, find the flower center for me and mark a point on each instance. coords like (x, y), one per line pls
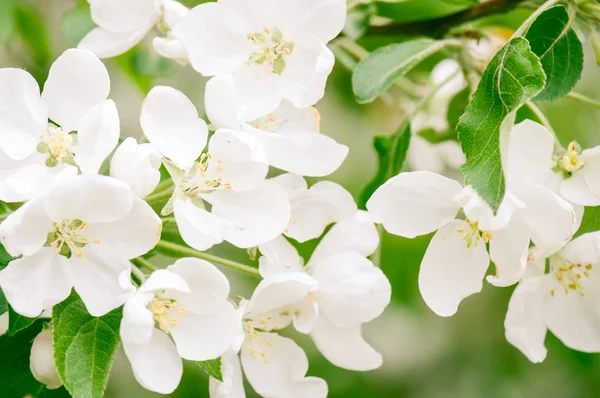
(166, 312)
(203, 177)
(254, 342)
(57, 145)
(271, 49)
(571, 160)
(569, 275)
(472, 234)
(267, 123)
(69, 237)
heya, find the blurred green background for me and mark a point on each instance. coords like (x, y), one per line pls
(424, 355)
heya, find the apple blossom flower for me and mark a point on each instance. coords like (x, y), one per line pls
(273, 49)
(564, 300)
(84, 127)
(275, 366)
(41, 360)
(137, 165)
(314, 209)
(444, 157)
(289, 136)
(349, 290)
(246, 210)
(180, 312)
(418, 203)
(124, 23)
(573, 173)
(79, 234)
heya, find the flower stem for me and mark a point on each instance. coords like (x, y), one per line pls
(138, 273)
(175, 249)
(141, 262)
(159, 196)
(582, 98)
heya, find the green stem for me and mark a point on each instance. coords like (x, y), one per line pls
(175, 249)
(582, 98)
(159, 196)
(166, 184)
(143, 263)
(138, 273)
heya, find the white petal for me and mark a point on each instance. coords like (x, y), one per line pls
(258, 89)
(32, 180)
(102, 279)
(476, 209)
(312, 211)
(524, 325)
(358, 235)
(206, 336)
(422, 156)
(91, 198)
(77, 82)
(137, 324)
(323, 18)
(279, 256)
(344, 346)
(224, 106)
(170, 122)
(215, 38)
(163, 279)
(306, 72)
(25, 231)
(415, 203)
(451, 271)
(156, 365)
(124, 15)
(584, 249)
(280, 373)
(576, 190)
(259, 215)
(35, 283)
(41, 360)
(549, 217)
(591, 168)
(106, 44)
(509, 249)
(131, 236)
(293, 184)
(97, 135)
(137, 165)
(23, 115)
(451, 153)
(199, 228)
(173, 12)
(351, 289)
(170, 48)
(233, 382)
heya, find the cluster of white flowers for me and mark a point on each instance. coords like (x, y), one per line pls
(78, 229)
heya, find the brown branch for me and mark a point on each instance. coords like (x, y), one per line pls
(440, 26)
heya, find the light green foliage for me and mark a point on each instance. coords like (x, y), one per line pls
(378, 71)
(5, 258)
(84, 346)
(358, 19)
(559, 50)
(17, 322)
(418, 10)
(512, 77)
(590, 221)
(213, 368)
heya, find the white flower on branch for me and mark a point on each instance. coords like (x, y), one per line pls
(180, 312)
(80, 234)
(137, 165)
(35, 154)
(124, 23)
(245, 210)
(349, 290)
(289, 136)
(418, 203)
(273, 49)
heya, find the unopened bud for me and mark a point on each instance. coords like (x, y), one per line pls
(42, 363)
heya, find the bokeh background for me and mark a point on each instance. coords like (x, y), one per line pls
(424, 355)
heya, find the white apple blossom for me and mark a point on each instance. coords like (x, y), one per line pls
(289, 136)
(349, 290)
(533, 158)
(137, 165)
(41, 360)
(273, 49)
(180, 312)
(418, 203)
(79, 234)
(275, 366)
(84, 127)
(564, 300)
(314, 208)
(245, 209)
(124, 23)
(444, 157)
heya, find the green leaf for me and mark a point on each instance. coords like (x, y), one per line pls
(213, 368)
(590, 221)
(378, 71)
(7, 21)
(560, 51)
(77, 23)
(84, 346)
(32, 29)
(5, 258)
(358, 20)
(17, 322)
(512, 77)
(419, 10)
(391, 152)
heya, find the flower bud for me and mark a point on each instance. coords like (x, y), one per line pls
(41, 360)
